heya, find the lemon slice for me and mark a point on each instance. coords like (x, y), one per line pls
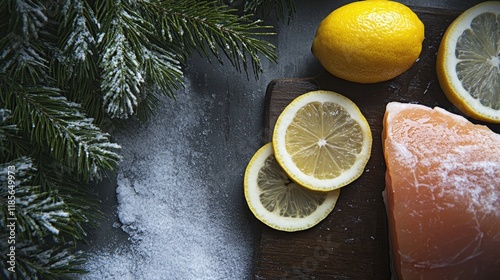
(279, 202)
(322, 140)
(468, 62)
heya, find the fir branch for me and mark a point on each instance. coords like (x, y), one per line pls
(42, 220)
(12, 145)
(54, 123)
(206, 27)
(27, 17)
(42, 211)
(37, 213)
(282, 8)
(7, 132)
(79, 202)
(115, 57)
(22, 61)
(80, 28)
(81, 86)
(50, 261)
(51, 208)
(44, 261)
(20, 58)
(121, 58)
(75, 66)
(163, 69)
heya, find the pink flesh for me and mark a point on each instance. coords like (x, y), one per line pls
(442, 194)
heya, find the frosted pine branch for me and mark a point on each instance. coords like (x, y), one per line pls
(264, 7)
(38, 213)
(209, 28)
(45, 261)
(122, 77)
(120, 59)
(80, 19)
(163, 68)
(6, 131)
(61, 127)
(32, 18)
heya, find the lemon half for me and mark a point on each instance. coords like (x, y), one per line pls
(468, 62)
(279, 202)
(322, 140)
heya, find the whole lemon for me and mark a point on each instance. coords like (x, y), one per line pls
(369, 41)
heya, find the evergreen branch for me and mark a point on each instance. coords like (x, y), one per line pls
(7, 131)
(283, 8)
(37, 213)
(56, 184)
(122, 78)
(115, 57)
(148, 106)
(81, 28)
(37, 260)
(76, 68)
(161, 60)
(12, 145)
(22, 61)
(59, 125)
(79, 202)
(42, 211)
(206, 27)
(19, 58)
(121, 58)
(27, 17)
(81, 85)
(162, 69)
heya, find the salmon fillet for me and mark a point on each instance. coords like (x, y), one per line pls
(442, 194)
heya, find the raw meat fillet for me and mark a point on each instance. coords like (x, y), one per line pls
(442, 194)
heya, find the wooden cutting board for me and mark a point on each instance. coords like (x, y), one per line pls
(352, 242)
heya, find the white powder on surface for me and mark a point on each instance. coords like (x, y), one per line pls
(475, 182)
(180, 196)
(456, 161)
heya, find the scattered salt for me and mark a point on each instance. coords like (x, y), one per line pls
(174, 201)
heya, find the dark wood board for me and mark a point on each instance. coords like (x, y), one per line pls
(352, 242)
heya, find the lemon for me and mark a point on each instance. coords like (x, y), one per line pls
(369, 41)
(468, 62)
(322, 140)
(279, 202)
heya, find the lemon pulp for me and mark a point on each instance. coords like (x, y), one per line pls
(468, 62)
(325, 148)
(278, 201)
(322, 140)
(478, 51)
(282, 196)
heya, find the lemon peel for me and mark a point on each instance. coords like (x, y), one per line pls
(468, 62)
(369, 41)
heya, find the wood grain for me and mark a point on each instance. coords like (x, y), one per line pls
(352, 242)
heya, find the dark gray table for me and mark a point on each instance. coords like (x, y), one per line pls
(180, 212)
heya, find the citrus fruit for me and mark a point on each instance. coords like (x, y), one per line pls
(369, 41)
(322, 140)
(468, 62)
(279, 202)
(442, 194)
